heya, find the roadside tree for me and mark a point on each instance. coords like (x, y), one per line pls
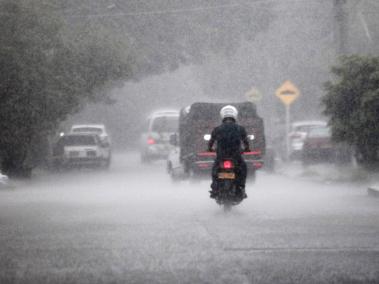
(46, 73)
(352, 103)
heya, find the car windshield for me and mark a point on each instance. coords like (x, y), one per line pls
(319, 132)
(165, 124)
(305, 128)
(88, 130)
(77, 140)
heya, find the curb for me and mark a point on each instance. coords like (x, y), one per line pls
(373, 191)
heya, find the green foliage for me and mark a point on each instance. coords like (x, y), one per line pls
(46, 73)
(352, 103)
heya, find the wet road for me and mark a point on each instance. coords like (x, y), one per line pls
(132, 225)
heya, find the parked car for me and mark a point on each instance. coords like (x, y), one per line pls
(319, 147)
(154, 142)
(81, 149)
(299, 131)
(196, 122)
(98, 129)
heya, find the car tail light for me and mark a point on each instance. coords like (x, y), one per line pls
(227, 164)
(258, 165)
(206, 154)
(150, 141)
(255, 152)
(203, 165)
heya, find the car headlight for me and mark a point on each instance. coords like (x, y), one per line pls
(207, 137)
(251, 136)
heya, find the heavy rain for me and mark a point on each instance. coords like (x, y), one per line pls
(128, 126)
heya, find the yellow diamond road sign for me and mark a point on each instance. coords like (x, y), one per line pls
(287, 93)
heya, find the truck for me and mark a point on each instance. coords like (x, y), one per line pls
(190, 158)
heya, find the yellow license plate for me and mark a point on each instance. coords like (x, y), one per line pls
(226, 175)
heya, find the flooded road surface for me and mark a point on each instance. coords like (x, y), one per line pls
(131, 224)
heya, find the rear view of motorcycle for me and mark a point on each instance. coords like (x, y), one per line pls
(228, 192)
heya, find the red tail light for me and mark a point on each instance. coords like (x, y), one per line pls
(256, 152)
(203, 165)
(258, 165)
(150, 141)
(228, 165)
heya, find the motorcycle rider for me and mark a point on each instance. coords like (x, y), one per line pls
(229, 136)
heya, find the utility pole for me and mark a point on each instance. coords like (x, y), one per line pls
(340, 28)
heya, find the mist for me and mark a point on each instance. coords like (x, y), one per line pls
(127, 197)
(299, 43)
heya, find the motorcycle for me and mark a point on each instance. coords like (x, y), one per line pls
(228, 194)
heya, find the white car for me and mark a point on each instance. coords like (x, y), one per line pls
(154, 142)
(81, 149)
(98, 129)
(299, 131)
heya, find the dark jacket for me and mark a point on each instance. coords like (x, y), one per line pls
(229, 136)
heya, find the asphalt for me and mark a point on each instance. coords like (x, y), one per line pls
(132, 225)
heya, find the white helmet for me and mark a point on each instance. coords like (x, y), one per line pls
(229, 111)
